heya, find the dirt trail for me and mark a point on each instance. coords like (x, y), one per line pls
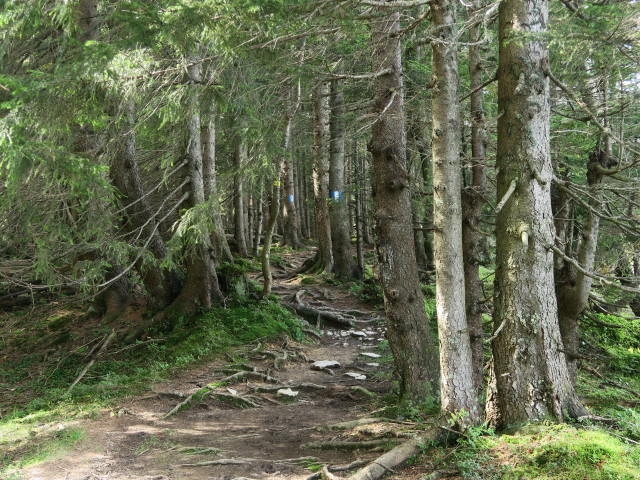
(255, 443)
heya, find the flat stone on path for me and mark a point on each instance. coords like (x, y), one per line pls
(356, 375)
(369, 354)
(326, 364)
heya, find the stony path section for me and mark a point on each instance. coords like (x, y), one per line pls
(245, 429)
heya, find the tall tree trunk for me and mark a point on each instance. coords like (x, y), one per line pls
(163, 286)
(338, 207)
(532, 379)
(201, 286)
(290, 212)
(221, 250)
(359, 192)
(321, 175)
(274, 208)
(472, 203)
(407, 328)
(259, 209)
(240, 228)
(573, 287)
(456, 368)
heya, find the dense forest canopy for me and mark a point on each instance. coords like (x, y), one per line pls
(152, 147)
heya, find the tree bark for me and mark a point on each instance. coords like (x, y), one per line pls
(290, 212)
(573, 287)
(274, 208)
(532, 379)
(338, 206)
(407, 328)
(201, 288)
(88, 19)
(240, 227)
(456, 367)
(321, 175)
(162, 286)
(472, 203)
(221, 250)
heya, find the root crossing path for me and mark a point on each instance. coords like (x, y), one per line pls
(263, 415)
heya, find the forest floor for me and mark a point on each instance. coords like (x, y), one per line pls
(216, 438)
(235, 424)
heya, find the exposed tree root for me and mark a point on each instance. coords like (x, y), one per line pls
(236, 377)
(364, 391)
(328, 469)
(312, 333)
(344, 445)
(609, 382)
(300, 386)
(248, 461)
(315, 315)
(354, 423)
(278, 361)
(386, 463)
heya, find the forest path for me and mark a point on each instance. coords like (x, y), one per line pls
(136, 441)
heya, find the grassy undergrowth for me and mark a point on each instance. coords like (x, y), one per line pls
(35, 375)
(542, 452)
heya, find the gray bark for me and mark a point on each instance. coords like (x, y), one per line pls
(290, 211)
(201, 286)
(274, 208)
(240, 227)
(163, 286)
(531, 375)
(88, 19)
(407, 328)
(321, 175)
(221, 250)
(456, 368)
(344, 266)
(472, 203)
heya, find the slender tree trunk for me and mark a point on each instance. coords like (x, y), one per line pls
(456, 368)
(573, 287)
(338, 206)
(472, 203)
(532, 379)
(292, 108)
(163, 286)
(407, 328)
(221, 250)
(321, 175)
(367, 194)
(240, 228)
(259, 209)
(290, 212)
(201, 286)
(359, 184)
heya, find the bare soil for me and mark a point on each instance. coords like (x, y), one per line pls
(135, 441)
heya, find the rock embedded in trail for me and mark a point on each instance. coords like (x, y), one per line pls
(287, 392)
(370, 354)
(325, 364)
(356, 375)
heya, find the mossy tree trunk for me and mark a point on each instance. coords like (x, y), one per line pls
(407, 328)
(531, 377)
(321, 175)
(344, 266)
